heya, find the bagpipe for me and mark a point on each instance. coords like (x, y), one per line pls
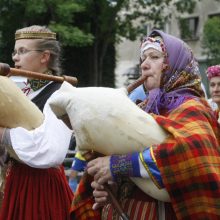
(104, 119)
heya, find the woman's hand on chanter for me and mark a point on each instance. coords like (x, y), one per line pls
(100, 169)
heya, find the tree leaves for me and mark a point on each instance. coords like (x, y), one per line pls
(211, 40)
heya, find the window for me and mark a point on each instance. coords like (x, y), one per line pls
(214, 15)
(188, 28)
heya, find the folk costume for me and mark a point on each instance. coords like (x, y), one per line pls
(37, 188)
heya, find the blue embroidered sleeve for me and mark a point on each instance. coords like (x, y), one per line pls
(125, 165)
(150, 165)
(136, 165)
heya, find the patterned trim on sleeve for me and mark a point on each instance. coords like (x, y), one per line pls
(149, 162)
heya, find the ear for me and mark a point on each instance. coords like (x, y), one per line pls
(45, 57)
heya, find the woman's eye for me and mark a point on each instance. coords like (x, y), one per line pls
(22, 50)
(151, 57)
(154, 57)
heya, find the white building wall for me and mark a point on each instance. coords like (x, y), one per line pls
(127, 57)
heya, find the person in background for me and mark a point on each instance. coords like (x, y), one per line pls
(213, 74)
(36, 186)
(186, 163)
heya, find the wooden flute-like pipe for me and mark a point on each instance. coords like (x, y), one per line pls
(5, 70)
(136, 83)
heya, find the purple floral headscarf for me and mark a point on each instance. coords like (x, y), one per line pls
(179, 81)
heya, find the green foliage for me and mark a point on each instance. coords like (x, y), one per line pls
(35, 7)
(211, 40)
(72, 36)
(185, 5)
(57, 14)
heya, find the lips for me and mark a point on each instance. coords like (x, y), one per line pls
(216, 96)
(146, 75)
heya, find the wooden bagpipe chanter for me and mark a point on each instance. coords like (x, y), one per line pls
(104, 120)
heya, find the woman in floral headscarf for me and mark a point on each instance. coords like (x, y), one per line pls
(187, 163)
(213, 74)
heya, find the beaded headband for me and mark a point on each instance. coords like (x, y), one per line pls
(35, 35)
(153, 42)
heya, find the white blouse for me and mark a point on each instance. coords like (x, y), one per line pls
(45, 146)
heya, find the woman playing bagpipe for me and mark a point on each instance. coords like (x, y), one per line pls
(35, 185)
(186, 163)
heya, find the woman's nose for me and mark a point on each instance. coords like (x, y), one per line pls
(145, 64)
(215, 88)
(15, 57)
